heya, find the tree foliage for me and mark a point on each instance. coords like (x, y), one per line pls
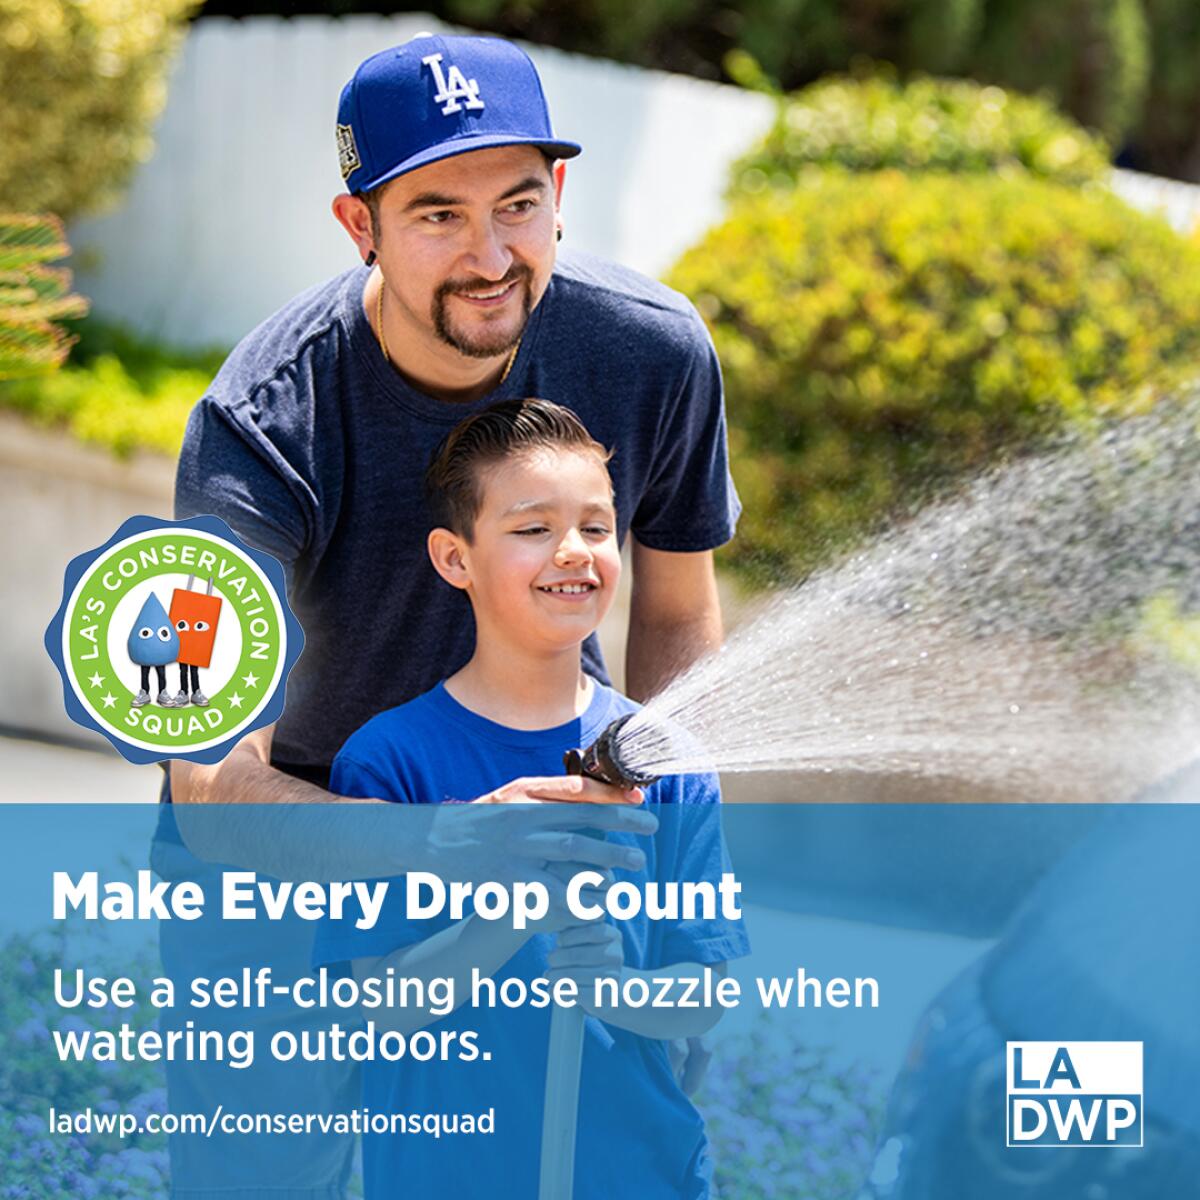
(34, 296)
(83, 81)
(1166, 139)
(1090, 56)
(926, 124)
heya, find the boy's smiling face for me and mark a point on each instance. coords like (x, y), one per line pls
(542, 564)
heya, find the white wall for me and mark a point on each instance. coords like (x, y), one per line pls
(231, 217)
(1177, 203)
(59, 498)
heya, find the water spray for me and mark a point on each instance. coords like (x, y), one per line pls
(1035, 636)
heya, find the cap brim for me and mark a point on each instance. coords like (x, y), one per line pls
(466, 145)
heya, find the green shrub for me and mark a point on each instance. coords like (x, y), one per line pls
(118, 391)
(926, 124)
(787, 1117)
(33, 1080)
(888, 332)
(1091, 56)
(83, 81)
(33, 296)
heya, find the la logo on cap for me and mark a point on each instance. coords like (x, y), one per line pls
(452, 87)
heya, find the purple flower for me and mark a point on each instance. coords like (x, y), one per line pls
(31, 1032)
(74, 1024)
(154, 1101)
(786, 1119)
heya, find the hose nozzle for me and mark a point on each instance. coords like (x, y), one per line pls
(602, 760)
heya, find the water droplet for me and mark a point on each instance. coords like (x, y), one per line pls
(1037, 551)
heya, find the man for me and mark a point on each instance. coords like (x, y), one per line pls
(312, 444)
(313, 439)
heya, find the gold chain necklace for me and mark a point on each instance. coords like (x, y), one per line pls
(508, 366)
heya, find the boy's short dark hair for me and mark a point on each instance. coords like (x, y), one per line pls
(500, 431)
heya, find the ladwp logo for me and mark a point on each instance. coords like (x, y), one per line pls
(1075, 1094)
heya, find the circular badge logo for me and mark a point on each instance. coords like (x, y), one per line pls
(174, 639)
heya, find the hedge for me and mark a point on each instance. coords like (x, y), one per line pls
(925, 124)
(884, 333)
(118, 391)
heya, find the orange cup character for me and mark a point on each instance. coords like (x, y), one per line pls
(194, 617)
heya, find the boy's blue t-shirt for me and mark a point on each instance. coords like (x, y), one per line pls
(638, 1134)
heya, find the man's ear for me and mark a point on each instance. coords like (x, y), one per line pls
(447, 552)
(354, 217)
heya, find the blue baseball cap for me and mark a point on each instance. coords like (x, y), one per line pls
(435, 97)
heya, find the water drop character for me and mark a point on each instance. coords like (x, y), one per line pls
(153, 643)
(194, 617)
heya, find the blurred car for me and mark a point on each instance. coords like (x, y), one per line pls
(1105, 948)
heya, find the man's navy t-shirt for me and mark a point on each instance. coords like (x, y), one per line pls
(314, 449)
(638, 1134)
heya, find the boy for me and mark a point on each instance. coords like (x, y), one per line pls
(526, 528)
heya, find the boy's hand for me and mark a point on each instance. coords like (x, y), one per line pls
(586, 953)
(576, 789)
